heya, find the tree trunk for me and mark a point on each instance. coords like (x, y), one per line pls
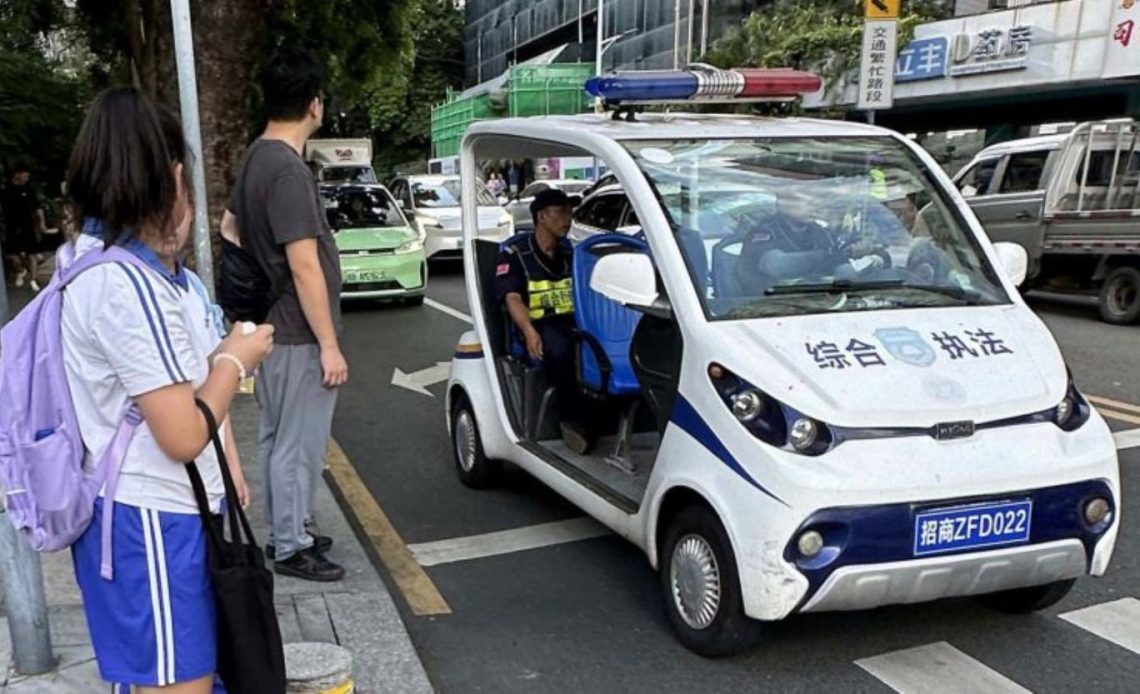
(228, 44)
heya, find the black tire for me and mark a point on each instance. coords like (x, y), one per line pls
(414, 300)
(1119, 302)
(474, 469)
(727, 630)
(1026, 600)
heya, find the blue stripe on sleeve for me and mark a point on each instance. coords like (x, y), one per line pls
(150, 320)
(162, 323)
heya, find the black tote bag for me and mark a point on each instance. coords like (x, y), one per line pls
(251, 659)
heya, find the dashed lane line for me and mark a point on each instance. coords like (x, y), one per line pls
(507, 541)
(418, 590)
(937, 668)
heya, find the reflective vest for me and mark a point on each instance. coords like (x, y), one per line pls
(549, 293)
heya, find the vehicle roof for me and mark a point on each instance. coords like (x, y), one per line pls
(661, 126)
(1025, 145)
(431, 179)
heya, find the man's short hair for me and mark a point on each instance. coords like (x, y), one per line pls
(551, 197)
(289, 83)
(20, 166)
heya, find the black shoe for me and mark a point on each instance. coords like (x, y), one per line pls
(577, 438)
(309, 565)
(322, 543)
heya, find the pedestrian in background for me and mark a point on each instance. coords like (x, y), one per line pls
(276, 214)
(142, 336)
(23, 218)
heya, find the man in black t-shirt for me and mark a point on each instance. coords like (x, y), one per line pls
(533, 281)
(23, 216)
(275, 213)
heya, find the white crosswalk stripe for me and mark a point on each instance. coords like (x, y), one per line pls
(937, 668)
(506, 541)
(1117, 621)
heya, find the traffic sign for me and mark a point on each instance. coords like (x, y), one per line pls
(877, 66)
(881, 9)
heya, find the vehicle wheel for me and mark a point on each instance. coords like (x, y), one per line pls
(1025, 600)
(414, 300)
(1120, 296)
(702, 588)
(474, 469)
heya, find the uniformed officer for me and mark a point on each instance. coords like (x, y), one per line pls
(533, 280)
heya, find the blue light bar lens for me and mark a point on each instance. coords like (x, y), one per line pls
(643, 86)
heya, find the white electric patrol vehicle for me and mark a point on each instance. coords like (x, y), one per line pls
(826, 391)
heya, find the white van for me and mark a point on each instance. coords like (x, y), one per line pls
(827, 392)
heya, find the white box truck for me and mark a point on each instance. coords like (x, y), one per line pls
(341, 161)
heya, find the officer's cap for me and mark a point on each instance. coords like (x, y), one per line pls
(551, 197)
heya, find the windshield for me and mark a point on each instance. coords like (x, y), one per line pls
(348, 174)
(446, 194)
(365, 209)
(793, 226)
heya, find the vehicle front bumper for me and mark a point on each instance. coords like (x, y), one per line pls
(383, 275)
(868, 558)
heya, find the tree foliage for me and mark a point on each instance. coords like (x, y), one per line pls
(821, 35)
(41, 98)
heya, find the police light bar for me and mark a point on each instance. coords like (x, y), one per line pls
(702, 83)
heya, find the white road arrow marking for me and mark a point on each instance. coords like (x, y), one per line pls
(418, 381)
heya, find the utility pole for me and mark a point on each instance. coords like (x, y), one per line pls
(24, 601)
(188, 98)
(704, 28)
(676, 34)
(689, 43)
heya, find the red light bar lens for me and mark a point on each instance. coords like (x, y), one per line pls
(778, 82)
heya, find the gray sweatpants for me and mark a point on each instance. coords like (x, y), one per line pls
(296, 421)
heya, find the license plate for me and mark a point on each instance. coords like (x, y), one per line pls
(363, 276)
(986, 525)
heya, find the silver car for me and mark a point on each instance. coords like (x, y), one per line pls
(432, 202)
(520, 206)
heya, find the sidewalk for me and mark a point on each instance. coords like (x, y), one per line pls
(356, 613)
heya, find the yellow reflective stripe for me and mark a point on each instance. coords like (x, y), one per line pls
(550, 297)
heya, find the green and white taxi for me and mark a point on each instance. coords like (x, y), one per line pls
(381, 254)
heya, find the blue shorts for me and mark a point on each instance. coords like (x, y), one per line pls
(153, 624)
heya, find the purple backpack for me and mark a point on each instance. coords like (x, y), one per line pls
(50, 495)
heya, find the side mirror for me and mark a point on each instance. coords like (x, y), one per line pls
(630, 280)
(969, 191)
(403, 205)
(1014, 261)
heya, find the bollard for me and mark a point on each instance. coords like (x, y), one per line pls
(24, 602)
(318, 668)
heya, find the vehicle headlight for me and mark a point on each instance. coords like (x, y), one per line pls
(804, 434)
(1073, 411)
(767, 418)
(410, 246)
(746, 405)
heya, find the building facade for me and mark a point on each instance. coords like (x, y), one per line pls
(501, 33)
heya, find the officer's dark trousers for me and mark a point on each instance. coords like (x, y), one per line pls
(558, 360)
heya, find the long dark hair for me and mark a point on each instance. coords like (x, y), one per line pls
(121, 169)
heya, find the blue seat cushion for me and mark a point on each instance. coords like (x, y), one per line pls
(605, 326)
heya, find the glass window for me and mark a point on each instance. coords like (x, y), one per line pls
(818, 225)
(445, 193)
(976, 180)
(366, 208)
(348, 174)
(1023, 172)
(603, 211)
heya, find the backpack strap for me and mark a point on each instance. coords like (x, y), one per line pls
(109, 466)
